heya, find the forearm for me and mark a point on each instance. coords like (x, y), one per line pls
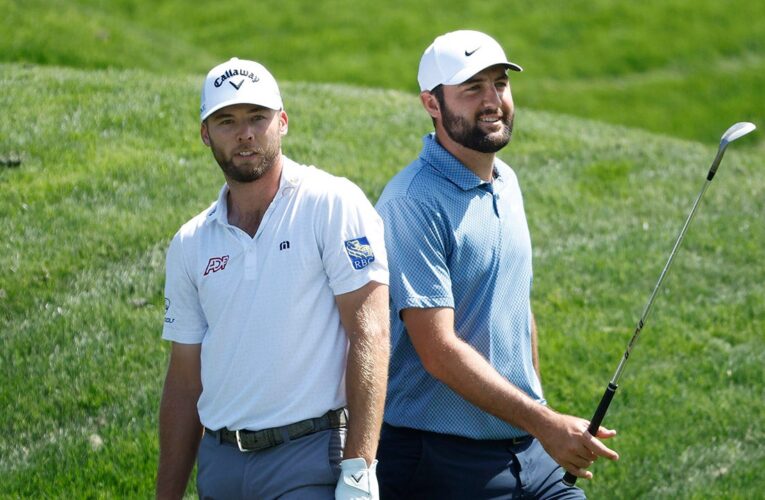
(366, 377)
(535, 348)
(364, 314)
(470, 375)
(457, 364)
(179, 430)
(179, 435)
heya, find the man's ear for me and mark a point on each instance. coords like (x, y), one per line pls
(283, 122)
(204, 133)
(431, 104)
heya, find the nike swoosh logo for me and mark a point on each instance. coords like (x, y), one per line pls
(470, 53)
(235, 85)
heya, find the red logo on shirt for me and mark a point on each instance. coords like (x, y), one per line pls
(216, 264)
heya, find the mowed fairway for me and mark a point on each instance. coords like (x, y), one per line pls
(111, 165)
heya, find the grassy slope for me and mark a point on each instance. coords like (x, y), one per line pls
(680, 67)
(106, 180)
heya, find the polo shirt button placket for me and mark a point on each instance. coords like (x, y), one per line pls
(250, 261)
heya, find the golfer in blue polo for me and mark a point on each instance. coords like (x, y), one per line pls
(465, 414)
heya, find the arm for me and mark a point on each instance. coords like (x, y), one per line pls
(365, 318)
(469, 374)
(179, 426)
(534, 349)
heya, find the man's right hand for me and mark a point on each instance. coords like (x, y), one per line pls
(569, 443)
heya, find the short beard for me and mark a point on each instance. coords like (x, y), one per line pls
(251, 173)
(472, 137)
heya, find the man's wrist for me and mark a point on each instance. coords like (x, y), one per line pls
(541, 418)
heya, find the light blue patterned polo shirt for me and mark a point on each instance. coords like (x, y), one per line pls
(456, 241)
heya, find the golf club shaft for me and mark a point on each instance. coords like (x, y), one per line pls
(570, 479)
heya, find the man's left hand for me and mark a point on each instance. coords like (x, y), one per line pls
(357, 481)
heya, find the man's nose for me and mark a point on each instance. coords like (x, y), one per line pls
(492, 97)
(246, 132)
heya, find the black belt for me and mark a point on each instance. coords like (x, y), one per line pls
(412, 432)
(267, 438)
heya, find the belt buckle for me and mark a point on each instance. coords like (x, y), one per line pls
(519, 440)
(239, 443)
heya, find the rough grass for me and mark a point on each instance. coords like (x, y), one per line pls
(112, 165)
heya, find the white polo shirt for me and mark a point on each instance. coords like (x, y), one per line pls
(263, 308)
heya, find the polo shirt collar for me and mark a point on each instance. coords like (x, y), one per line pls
(450, 167)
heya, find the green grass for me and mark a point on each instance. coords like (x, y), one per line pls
(100, 101)
(105, 181)
(680, 67)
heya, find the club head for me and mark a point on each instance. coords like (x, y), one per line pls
(736, 131)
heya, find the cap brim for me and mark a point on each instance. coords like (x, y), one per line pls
(466, 73)
(513, 66)
(274, 103)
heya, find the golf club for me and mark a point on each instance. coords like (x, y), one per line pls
(734, 132)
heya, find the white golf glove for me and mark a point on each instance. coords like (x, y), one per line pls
(357, 482)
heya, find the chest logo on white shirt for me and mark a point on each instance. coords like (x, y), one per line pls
(216, 264)
(360, 252)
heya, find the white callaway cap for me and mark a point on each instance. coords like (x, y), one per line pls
(455, 57)
(238, 81)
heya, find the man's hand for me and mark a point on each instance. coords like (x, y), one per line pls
(357, 481)
(567, 441)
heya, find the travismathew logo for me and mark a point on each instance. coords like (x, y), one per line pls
(235, 72)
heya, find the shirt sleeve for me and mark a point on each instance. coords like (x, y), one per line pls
(351, 240)
(418, 245)
(185, 321)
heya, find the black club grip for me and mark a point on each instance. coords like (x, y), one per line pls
(570, 479)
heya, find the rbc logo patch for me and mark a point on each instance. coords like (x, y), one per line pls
(360, 252)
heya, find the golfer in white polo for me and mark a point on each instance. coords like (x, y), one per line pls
(277, 310)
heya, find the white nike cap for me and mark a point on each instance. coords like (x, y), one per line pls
(238, 81)
(454, 57)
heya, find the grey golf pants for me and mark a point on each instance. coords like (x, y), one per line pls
(303, 468)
